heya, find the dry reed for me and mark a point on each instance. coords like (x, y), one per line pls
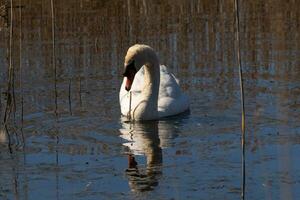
(54, 54)
(10, 96)
(80, 98)
(20, 62)
(70, 100)
(20, 72)
(237, 23)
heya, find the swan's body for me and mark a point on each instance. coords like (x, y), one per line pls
(171, 100)
(155, 91)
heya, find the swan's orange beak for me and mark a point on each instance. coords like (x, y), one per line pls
(129, 73)
(129, 80)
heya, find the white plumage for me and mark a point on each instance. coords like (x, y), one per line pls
(171, 100)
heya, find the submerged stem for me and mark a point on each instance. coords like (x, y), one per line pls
(129, 112)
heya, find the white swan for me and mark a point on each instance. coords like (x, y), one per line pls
(155, 90)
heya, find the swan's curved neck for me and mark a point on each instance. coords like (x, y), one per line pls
(151, 81)
(147, 109)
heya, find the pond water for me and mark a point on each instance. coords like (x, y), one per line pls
(68, 140)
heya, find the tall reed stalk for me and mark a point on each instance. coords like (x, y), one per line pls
(80, 98)
(237, 24)
(10, 96)
(20, 72)
(54, 54)
(20, 62)
(14, 107)
(70, 99)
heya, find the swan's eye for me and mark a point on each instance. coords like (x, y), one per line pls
(129, 69)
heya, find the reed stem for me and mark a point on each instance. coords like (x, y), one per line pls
(237, 23)
(54, 54)
(129, 112)
(80, 99)
(10, 68)
(21, 73)
(20, 61)
(70, 100)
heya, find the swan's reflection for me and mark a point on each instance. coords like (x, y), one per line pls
(146, 139)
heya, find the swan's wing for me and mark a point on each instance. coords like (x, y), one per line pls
(168, 106)
(171, 100)
(169, 85)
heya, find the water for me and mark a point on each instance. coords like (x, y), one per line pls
(81, 149)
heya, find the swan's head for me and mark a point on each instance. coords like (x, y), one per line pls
(137, 56)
